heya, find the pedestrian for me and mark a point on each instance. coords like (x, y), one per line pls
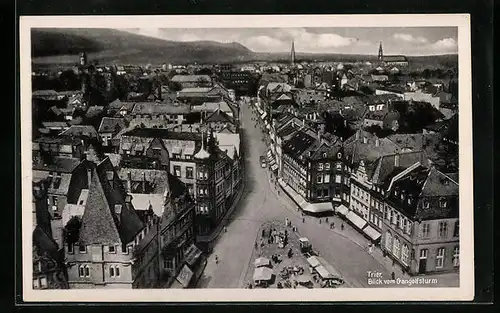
(263, 233)
(393, 275)
(320, 221)
(327, 219)
(303, 220)
(216, 259)
(333, 225)
(256, 245)
(342, 226)
(225, 229)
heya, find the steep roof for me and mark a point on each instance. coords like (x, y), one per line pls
(44, 244)
(298, 144)
(191, 78)
(109, 124)
(80, 130)
(220, 116)
(152, 108)
(100, 223)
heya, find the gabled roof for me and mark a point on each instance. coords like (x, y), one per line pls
(191, 78)
(58, 164)
(80, 130)
(44, 244)
(219, 116)
(152, 108)
(298, 144)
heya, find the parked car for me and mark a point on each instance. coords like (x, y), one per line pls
(263, 162)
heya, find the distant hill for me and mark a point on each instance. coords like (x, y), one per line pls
(62, 46)
(113, 46)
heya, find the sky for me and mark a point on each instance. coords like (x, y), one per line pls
(395, 40)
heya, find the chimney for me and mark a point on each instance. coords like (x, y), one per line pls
(129, 181)
(143, 182)
(89, 177)
(396, 160)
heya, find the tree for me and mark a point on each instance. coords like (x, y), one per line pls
(174, 86)
(72, 230)
(69, 80)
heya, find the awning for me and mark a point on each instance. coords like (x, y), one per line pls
(332, 271)
(192, 254)
(301, 202)
(272, 162)
(323, 272)
(319, 207)
(356, 219)
(269, 153)
(274, 167)
(313, 261)
(185, 276)
(262, 273)
(371, 232)
(267, 126)
(263, 115)
(342, 209)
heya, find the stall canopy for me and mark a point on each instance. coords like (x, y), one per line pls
(263, 115)
(303, 279)
(319, 207)
(301, 202)
(356, 219)
(269, 153)
(274, 167)
(329, 268)
(323, 272)
(272, 161)
(371, 232)
(192, 254)
(185, 276)
(262, 262)
(342, 209)
(262, 274)
(313, 261)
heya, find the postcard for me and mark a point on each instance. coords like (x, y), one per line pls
(246, 158)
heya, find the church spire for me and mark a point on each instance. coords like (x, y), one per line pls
(380, 53)
(292, 53)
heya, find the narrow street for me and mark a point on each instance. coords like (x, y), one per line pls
(261, 203)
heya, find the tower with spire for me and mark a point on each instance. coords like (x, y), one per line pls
(380, 53)
(292, 53)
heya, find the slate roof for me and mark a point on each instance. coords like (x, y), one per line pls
(44, 244)
(153, 108)
(163, 134)
(219, 116)
(109, 124)
(356, 150)
(298, 144)
(100, 224)
(118, 104)
(58, 164)
(80, 130)
(159, 179)
(386, 164)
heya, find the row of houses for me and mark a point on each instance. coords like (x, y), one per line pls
(387, 188)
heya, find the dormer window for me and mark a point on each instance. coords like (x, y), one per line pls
(339, 155)
(324, 155)
(442, 203)
(426, 204)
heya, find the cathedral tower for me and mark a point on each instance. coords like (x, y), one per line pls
(380, 53)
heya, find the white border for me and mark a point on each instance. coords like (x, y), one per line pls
(462, 21)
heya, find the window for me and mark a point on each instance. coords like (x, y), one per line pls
(111, 271)
(456, 231)
(397, 247)
(124, 249)
(440, 258)
(426, 204)
(442, 203)
(456, 255)
(83, 271)
(70, 247)
(339, 166)
(338, 179)
(388, 241)
(189, 172)
(54, 203)
(36, 283)
(117, 271)
(111, 249)
(398, 220)
(327, 166)
(168, 264)
(404, 254)
(326, 178)
(443, 229)
(426, 230)
(408, 228)
(177, 170)
(87, 271)
(423, 254)
(187, 157)
(387, 214)
(320, 166)
(319, 179)
(82, 248)
(43, 282)
(176, 155)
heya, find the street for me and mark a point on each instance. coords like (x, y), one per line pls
(261, 203)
